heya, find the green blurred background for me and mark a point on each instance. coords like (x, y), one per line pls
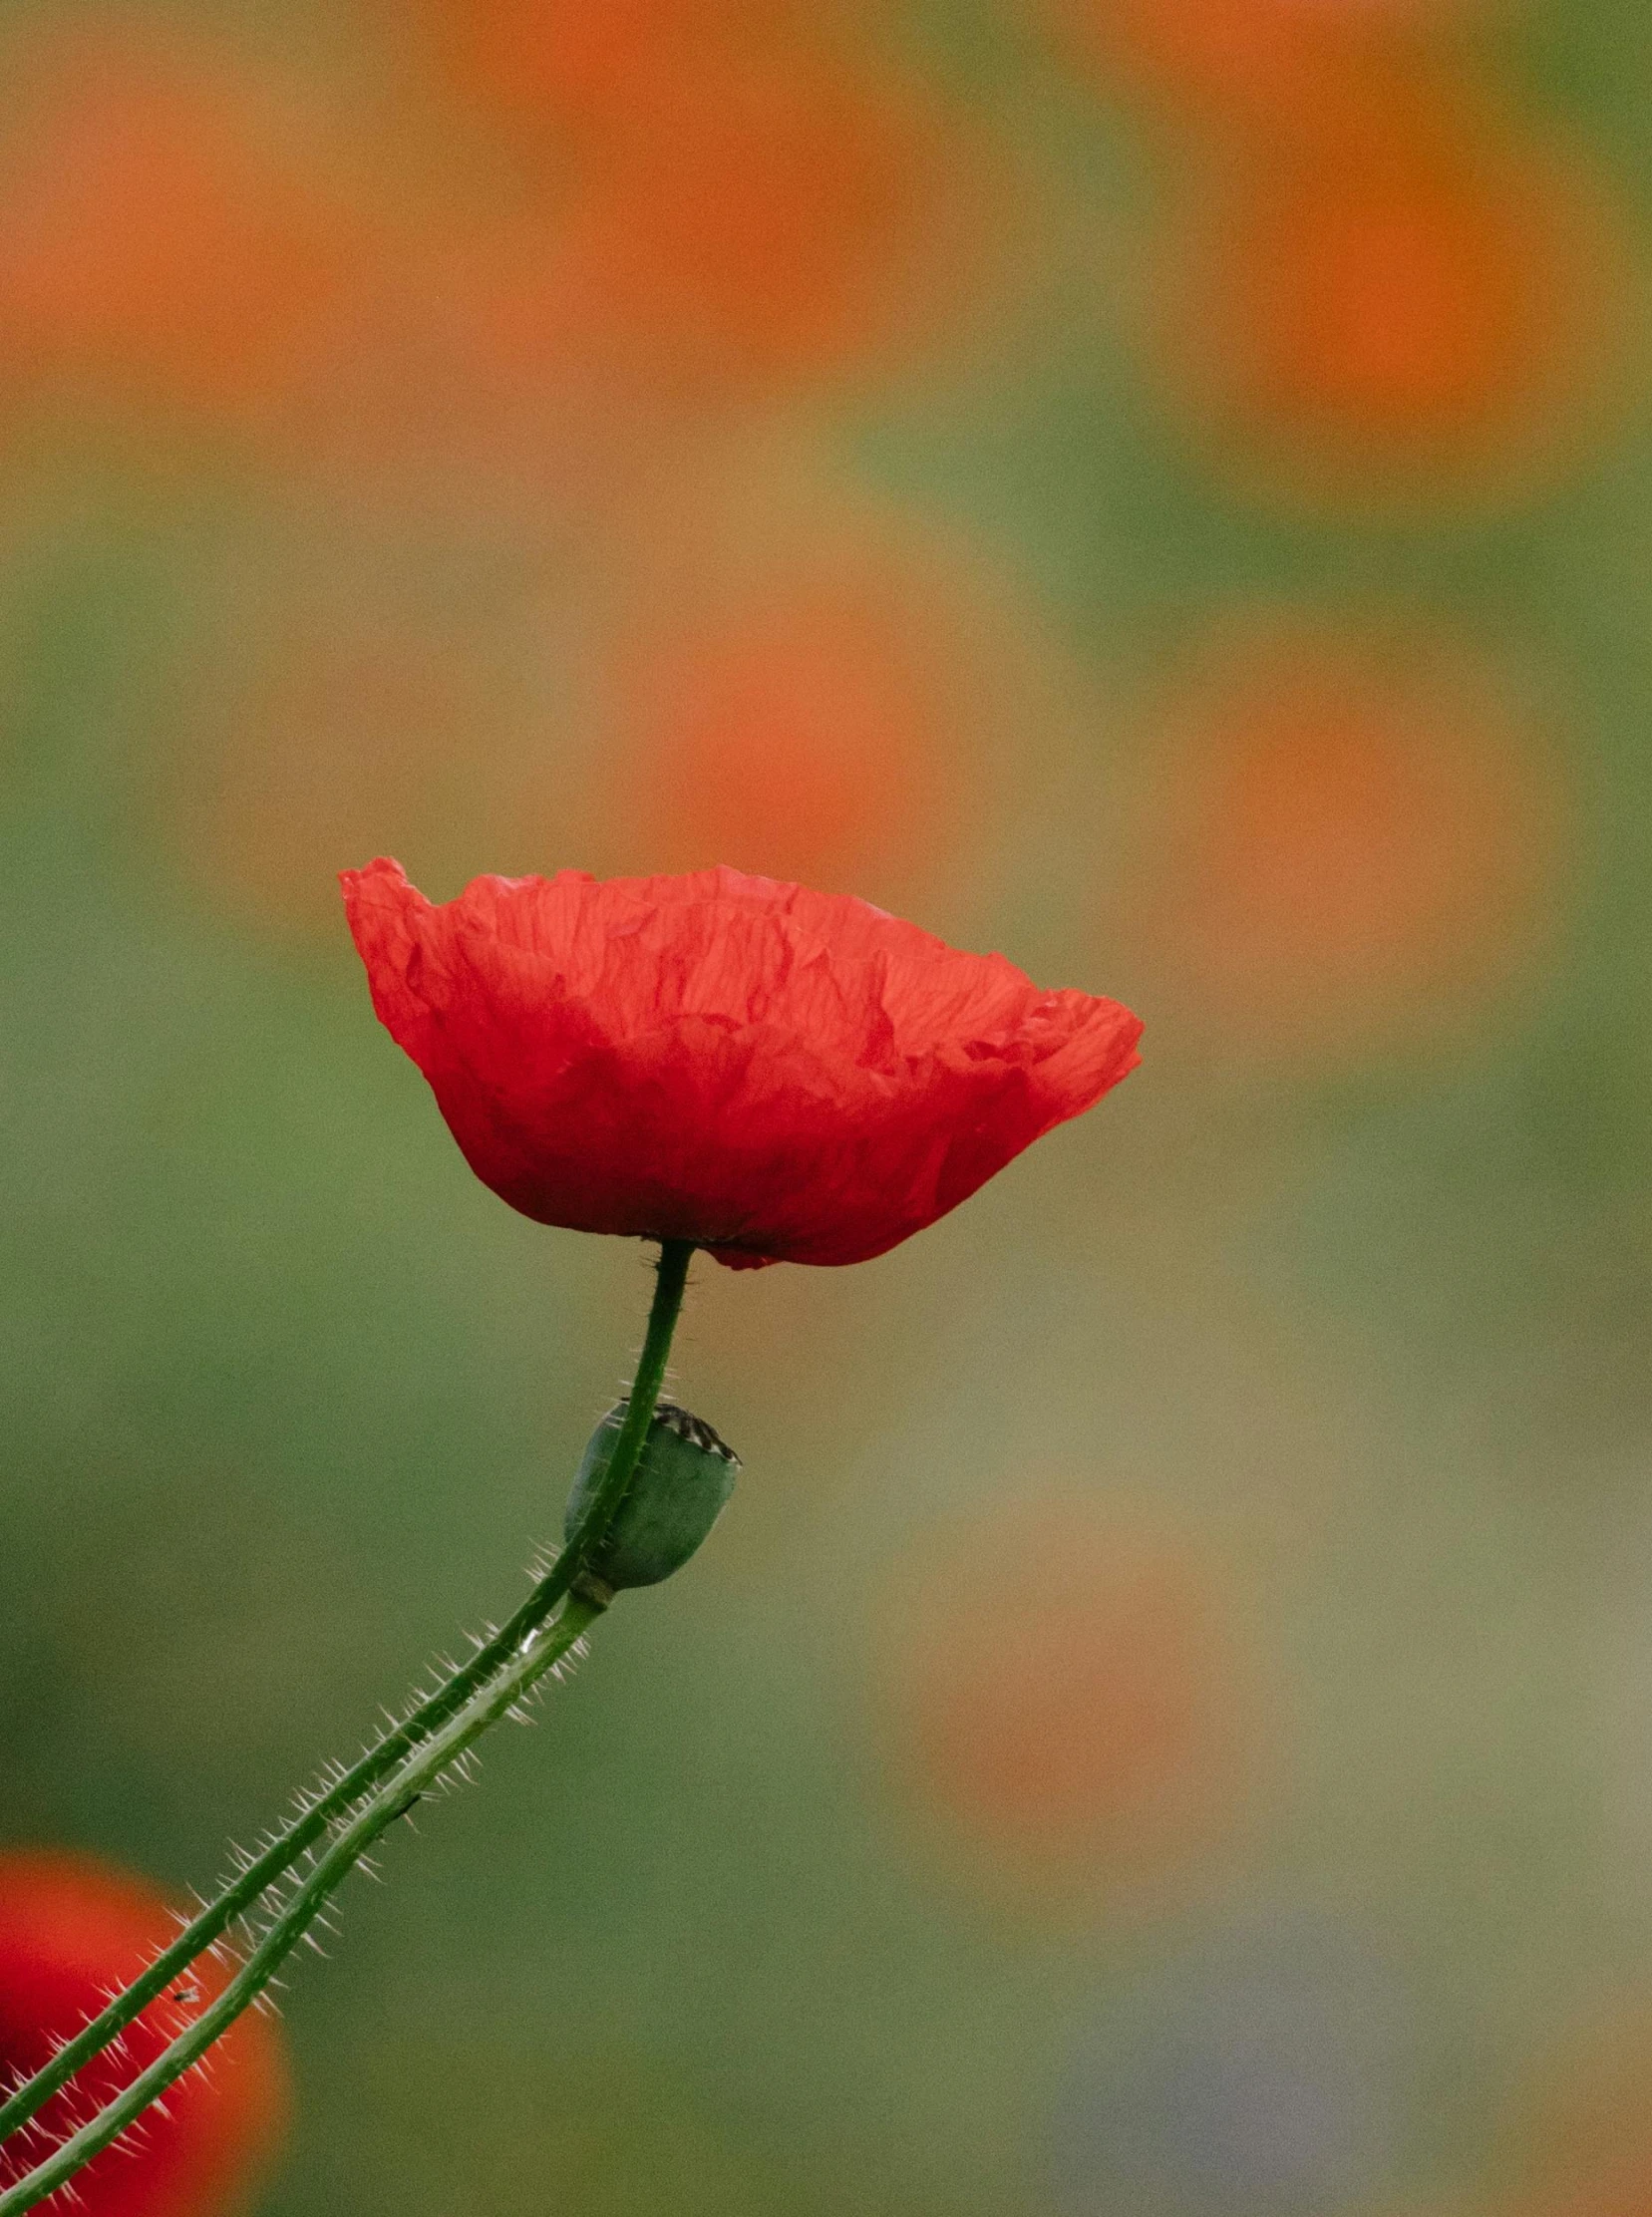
(1159, 487)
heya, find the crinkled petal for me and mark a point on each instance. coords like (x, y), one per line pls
(776, 1074)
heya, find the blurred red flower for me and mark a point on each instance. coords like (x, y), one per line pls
(828, 727)
(1357, 836)
(768, 221)
(169, 227)
(1411, 298)
(1259, 60)
(545, 61)
(780, 1074)
(1117, 1738)
(72, 1930)
(1417, 304)
(779, 222)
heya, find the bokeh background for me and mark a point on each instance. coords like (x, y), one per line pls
(1162, 488)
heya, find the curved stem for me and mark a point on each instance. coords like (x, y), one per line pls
(379, 1762)
(393, 1798)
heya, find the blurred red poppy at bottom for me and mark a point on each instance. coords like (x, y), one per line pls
(72, 1931)
(779, 1075)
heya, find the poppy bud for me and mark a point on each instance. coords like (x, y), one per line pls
(684, 1475)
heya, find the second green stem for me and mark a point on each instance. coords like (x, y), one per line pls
(394, 1799)
(379, 1762)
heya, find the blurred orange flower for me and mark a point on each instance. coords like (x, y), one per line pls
(805, 735)
(163, 234)
(1257, 60)
(1069, 1693)
(1578, 2139)
(1412, 307)
(71, 1931)
(547, 61)
(772, 219)
(1350, 837)
(823, 691)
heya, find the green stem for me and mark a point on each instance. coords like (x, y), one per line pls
(675, 1256)
(379, 1762)
(391, 1799)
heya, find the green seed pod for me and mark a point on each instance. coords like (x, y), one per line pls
(684, 1475)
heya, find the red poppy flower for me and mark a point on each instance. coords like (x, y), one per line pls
(780, 1074)
(73, 1930)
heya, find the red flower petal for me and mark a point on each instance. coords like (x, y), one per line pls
(72, 1931)
(780, 1075)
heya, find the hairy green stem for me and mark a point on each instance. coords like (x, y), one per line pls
(675, 1256)
(391, 1799)
(379, 1762)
